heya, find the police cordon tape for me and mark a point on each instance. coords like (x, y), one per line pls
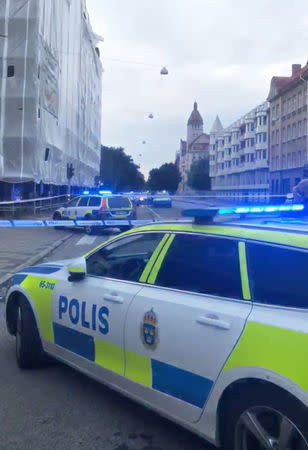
(80, 223)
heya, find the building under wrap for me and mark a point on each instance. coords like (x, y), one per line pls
(50, 86)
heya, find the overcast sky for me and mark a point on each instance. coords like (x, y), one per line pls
(221, 53)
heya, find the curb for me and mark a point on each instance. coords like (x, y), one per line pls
(33, 260)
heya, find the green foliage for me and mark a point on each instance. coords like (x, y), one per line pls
(118, 170)
(199, 175)
(167, 177)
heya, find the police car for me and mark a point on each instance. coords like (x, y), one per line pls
(205, 323)
(162, 199)
(97, 207)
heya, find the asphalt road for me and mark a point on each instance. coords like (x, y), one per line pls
(58, 408)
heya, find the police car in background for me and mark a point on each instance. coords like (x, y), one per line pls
(97, 207)
(162, 199)
(205, 323)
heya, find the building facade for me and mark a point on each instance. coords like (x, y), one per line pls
(288, 130)
(239, 156)
(50, 81)
(195, 147)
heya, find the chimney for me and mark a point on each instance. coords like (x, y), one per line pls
(295, 68)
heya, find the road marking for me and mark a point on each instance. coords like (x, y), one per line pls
(86, 240)
(155, 214)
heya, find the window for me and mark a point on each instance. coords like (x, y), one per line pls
(95, 201)
(10, 71)
(278, 275)
(83, 201)
(73, 202)
(211, 268)
(293, 159)
(300, 99)
(299, 133)
(294, 130)
(264, 154)
(288, 132)
(264, 137)
(124, 259)
(118, 202)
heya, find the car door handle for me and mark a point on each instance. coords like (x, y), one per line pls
(113, 298)
(214, 321)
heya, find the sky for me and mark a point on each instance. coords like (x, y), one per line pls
(221, 53)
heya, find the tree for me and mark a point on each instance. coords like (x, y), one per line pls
(199, 175)
(118, 171)
(166, 178)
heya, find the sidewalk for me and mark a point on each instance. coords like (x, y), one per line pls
(18, 246)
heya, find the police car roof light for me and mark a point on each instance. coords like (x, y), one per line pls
(261, 209)
(86, 192)
(202, 216)
(205, 216)
(104, 192)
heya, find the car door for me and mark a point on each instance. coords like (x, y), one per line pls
(89, 315)
(70, 209)
(181, 328)
(82, 208)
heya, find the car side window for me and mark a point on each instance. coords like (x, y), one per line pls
(124, 259)
(83, 201)
(202, 264)
(278, 276)
(73, 202)
(95, 201)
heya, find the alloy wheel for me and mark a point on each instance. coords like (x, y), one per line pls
(263, 428)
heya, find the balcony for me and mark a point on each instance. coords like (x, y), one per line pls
(249, 134)
(261, 164)
(261, 145)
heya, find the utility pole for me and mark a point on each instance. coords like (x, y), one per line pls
(70, 172)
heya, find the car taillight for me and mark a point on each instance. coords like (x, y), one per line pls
(103, 205)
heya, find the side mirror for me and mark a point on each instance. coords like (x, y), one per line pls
(76, 273)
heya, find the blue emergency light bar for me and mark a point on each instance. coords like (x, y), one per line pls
(264, 209)
(205, 215)
(105, 192)
(86, 192)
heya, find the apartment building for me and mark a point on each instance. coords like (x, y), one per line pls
(239, 155)
(288, 130)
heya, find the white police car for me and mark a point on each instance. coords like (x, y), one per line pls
(105, 206)
(204, 323)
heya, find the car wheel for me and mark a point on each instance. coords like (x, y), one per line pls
(265, 417)
(125, 228)
(29, 350)
(57, 216)
(88, 229)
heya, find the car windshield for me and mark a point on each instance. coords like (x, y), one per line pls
(118, 202)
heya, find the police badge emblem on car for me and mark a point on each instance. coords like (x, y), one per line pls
(149, 330)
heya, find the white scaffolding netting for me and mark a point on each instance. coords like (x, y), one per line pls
(50, 92)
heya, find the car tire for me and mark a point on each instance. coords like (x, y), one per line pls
(89, 230)
(125, 228)
(29, 350)
(57, 216)
(266, 405)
